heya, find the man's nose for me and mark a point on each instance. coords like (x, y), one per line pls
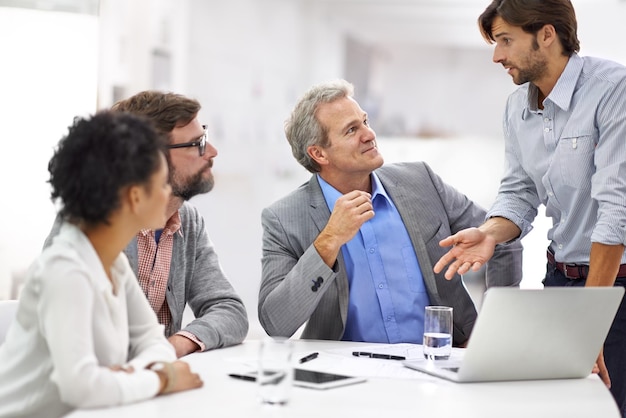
(209, 152)
(498, 56)
(369, 134)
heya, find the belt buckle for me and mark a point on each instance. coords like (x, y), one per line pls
(574, 267)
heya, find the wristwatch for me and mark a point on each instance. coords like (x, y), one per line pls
(165, 371)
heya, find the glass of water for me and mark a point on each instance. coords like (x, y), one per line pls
(275, 370)
(437, 332)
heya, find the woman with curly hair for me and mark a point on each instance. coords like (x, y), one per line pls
(84, 335)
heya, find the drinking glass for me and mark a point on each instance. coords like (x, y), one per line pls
(275, 371)
(437, 332)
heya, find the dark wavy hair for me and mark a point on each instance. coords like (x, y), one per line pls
(98, 157)
(532, 15)
(166, 110)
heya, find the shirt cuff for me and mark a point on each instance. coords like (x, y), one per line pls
(192, 338)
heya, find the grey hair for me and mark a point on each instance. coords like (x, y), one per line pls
(303, 129)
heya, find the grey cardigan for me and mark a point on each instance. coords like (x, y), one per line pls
(196, 278)
(431, 210)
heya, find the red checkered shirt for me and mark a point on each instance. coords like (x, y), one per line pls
(154, 262)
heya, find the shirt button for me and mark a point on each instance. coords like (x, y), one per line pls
(380, 285)
(389, 318)
(546, 120)
(560, 246)
(550, 194)
(546, 129)
(372, 251)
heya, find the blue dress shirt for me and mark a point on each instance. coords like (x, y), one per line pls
(387, 291)
(569, 156)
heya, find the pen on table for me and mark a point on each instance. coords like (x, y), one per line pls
(376, 355)
(243, 377)
(309, 357)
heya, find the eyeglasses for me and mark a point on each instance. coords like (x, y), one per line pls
(200, 143)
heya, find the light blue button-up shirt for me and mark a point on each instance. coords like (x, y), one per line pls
(387, 290)
(569, 156)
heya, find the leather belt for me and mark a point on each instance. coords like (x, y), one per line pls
(577, 271)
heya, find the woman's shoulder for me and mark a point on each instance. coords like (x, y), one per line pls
(70, 257)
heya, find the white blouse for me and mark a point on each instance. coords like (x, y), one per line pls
(70, 328)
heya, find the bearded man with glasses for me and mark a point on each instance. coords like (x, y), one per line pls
(200, 181)
(177, 265)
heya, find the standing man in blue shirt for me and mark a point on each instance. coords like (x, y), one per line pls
(565, 133)
(351, 252)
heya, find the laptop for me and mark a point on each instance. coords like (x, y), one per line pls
(532, 334)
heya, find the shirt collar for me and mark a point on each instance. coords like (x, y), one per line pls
(173, 225)
(331, 194)
(378, 189)
(563, 91)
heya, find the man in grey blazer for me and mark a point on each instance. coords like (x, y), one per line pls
(177, 265)
(350, 253)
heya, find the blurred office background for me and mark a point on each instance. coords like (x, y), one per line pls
(420, 68)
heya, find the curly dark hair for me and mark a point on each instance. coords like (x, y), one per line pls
(99, 156)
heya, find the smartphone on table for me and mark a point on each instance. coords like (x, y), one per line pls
(311, 379)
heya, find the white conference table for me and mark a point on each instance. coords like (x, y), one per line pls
(410, 394)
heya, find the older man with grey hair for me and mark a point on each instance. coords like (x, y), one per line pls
(351, 252)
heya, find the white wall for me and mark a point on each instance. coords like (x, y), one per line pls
(48, 75)
(601, 28)
(443, 91)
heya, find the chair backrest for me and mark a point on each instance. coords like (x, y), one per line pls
(8, 308)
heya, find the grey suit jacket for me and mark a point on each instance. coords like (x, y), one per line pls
(196, 278)
(431, 210)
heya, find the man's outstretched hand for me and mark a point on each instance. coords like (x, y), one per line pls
(471, 249)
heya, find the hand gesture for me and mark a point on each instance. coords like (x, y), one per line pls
(471, 248)
(351, 211)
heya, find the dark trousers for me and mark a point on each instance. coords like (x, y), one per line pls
(615, 344)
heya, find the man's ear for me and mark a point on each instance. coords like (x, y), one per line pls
(547, 35)
(317, 154)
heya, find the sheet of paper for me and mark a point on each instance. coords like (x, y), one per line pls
(342, 361)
